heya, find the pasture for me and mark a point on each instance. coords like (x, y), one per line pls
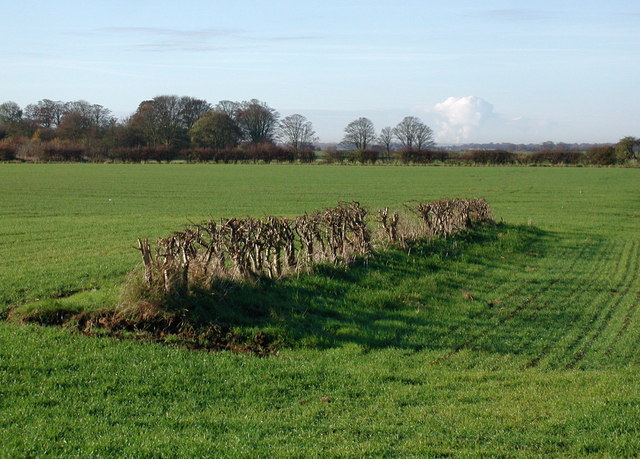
(519, 339)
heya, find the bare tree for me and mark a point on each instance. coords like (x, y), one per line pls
(228, 107)
(83, 120)
(47, 113)
(257, 120)
(74, 126)
(359, 133)
(191, 109)
(413, 133)
(167, 112)
(160, 120)
(424, 137)
(144, 124)
(80, 107)
(386, 139)
(101, 116)
(297, 132)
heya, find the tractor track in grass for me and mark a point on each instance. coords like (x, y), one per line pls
(604, 317)
(512, 293)
(626, 323)
(596, 266)
(635, 357)
(549, 285)
(585, 324)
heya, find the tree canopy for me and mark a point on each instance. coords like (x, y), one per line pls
(215, 129)
(359, 134)
(296, 132)
(257, 120)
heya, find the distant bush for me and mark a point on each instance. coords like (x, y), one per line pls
(199, 154)
(305, 156)
(261, 152)
(163, 153)
(489, 157)
(59, 150)
(421, 156)
(8, 150)
(143, 154)
(602, 156)
(365, 156)
(333, 155)
(44, 134)
(266, 152)
(553, 157)
(230, 155)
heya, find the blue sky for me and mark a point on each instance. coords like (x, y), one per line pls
(474, 71)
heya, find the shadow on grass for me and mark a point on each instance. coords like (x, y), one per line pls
(436, 295)
(403, 298)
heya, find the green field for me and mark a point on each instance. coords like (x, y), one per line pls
(520, 339)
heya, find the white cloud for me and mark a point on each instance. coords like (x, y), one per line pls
(461, 117)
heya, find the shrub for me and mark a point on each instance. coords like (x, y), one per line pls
(8, 150)
(59, 150)
(421, 156)
(333, 155)
(553, 157)
(305, 156)
(267, 152)
(44, 134)
(141, 154)
(248, 248)
(30, 150)
(161, 153)
(365, 156)
(490, 157)
(602, 156)
(200, 154)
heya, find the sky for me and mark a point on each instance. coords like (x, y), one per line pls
(490, 71)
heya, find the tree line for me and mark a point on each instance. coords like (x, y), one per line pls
(163, 128)
(170, 127)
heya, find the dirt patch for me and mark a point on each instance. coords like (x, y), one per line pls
(173, 330)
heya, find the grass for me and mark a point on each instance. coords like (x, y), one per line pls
(520, 339)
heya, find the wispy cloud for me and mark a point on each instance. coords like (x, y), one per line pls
(161, 47)
(516, 14)
(157, 40)
(179, 33)
(290, 38)
(98, 67)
